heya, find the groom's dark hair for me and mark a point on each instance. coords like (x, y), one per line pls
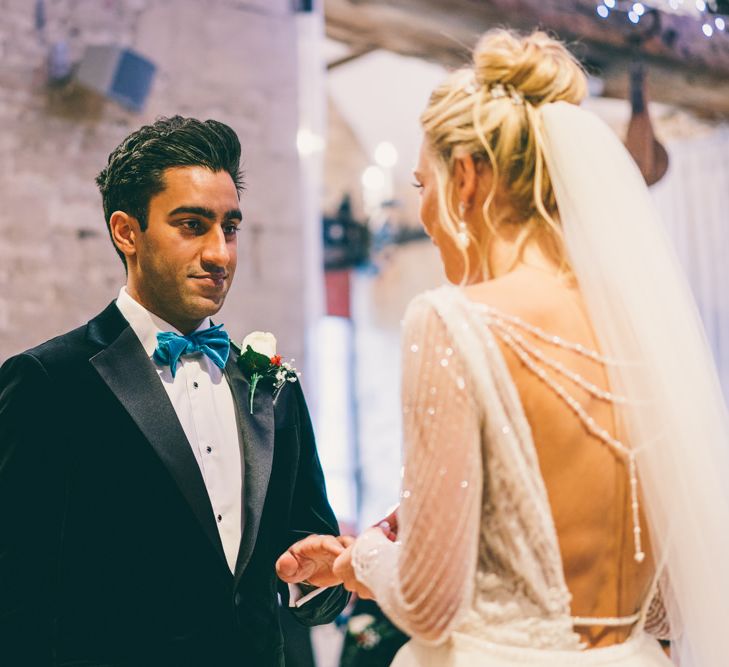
(135, 170)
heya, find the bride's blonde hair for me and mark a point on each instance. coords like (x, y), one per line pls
(489, 111)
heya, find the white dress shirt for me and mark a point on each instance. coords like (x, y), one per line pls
(204, 405)
(203, 402)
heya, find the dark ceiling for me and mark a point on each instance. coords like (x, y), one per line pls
(685, 67)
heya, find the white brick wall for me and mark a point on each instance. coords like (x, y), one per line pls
(232, 60)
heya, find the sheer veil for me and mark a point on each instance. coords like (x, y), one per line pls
(645, 318)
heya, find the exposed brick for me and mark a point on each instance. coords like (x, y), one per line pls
(233, 60)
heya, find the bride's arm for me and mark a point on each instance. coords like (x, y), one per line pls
(425, 579)
(658, 620)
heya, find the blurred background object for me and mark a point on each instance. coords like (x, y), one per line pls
(118, 73)
(648, 153)
(325, 97)
(370, 639)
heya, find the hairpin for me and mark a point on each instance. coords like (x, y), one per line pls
(499, 91)
(516, 97)
(471, 86)
(496, 90)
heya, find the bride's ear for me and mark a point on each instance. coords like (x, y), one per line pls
(465, 178)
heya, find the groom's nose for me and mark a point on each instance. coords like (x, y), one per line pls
(216, 250)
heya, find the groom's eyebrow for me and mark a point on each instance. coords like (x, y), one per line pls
(233, 214)
(204, 212)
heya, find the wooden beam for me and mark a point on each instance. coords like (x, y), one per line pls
(684, 67)
(352, 55)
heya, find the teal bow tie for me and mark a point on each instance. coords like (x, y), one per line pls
(213, 343)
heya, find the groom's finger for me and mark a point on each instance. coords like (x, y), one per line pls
(313, 554)
(286, 565)
(292, 570)
(318, 547)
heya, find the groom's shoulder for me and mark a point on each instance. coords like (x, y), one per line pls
(67, 344)
(48, 359)
(72, 347)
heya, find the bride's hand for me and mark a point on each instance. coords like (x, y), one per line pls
(310, 561)
(345, 572)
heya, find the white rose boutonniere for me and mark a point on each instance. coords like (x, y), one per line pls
(260, 363)
(262, 342)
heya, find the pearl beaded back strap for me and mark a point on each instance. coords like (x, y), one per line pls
(558, 366)
(549, 338)
(606, 621)
(506, 328)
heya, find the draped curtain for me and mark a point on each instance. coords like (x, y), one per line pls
(693, 199)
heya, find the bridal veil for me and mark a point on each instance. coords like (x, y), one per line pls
(644, 317)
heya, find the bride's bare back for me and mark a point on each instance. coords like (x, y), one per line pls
(587, 482)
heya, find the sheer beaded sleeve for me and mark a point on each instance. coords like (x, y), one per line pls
(659, 622)
(425, 579)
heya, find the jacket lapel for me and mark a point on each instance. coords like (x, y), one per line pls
(129, 373)
(257, 432)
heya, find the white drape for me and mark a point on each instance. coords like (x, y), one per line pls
(693, 201)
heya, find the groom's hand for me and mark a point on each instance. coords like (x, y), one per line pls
(310, 561)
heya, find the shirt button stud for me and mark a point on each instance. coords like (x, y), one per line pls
(195, 384)
(208, 449)
(220, 518)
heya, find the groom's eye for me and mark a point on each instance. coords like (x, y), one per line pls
(192, 225)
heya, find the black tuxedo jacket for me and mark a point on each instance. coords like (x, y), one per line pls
(109, 550)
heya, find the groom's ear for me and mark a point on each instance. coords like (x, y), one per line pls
(124, 230)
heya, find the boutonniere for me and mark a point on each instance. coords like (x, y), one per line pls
(260, 363)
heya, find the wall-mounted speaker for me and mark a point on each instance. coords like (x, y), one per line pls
(117, 73)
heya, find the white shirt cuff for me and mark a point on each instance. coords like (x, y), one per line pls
(298, 599)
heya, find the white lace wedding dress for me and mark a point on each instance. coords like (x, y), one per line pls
(476, 576)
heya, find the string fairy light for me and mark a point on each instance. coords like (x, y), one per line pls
(701, 10)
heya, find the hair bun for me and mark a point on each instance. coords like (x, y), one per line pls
(537, 66)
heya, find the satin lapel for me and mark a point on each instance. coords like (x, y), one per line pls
(257, 431)
(129, 373)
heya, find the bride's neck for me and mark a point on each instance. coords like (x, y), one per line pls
(507, 255)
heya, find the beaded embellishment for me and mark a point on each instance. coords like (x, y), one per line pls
(496, 91)
(508, 328)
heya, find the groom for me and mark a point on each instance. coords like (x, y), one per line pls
(143, 505)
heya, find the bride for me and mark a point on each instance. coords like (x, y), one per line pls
(566, 458)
